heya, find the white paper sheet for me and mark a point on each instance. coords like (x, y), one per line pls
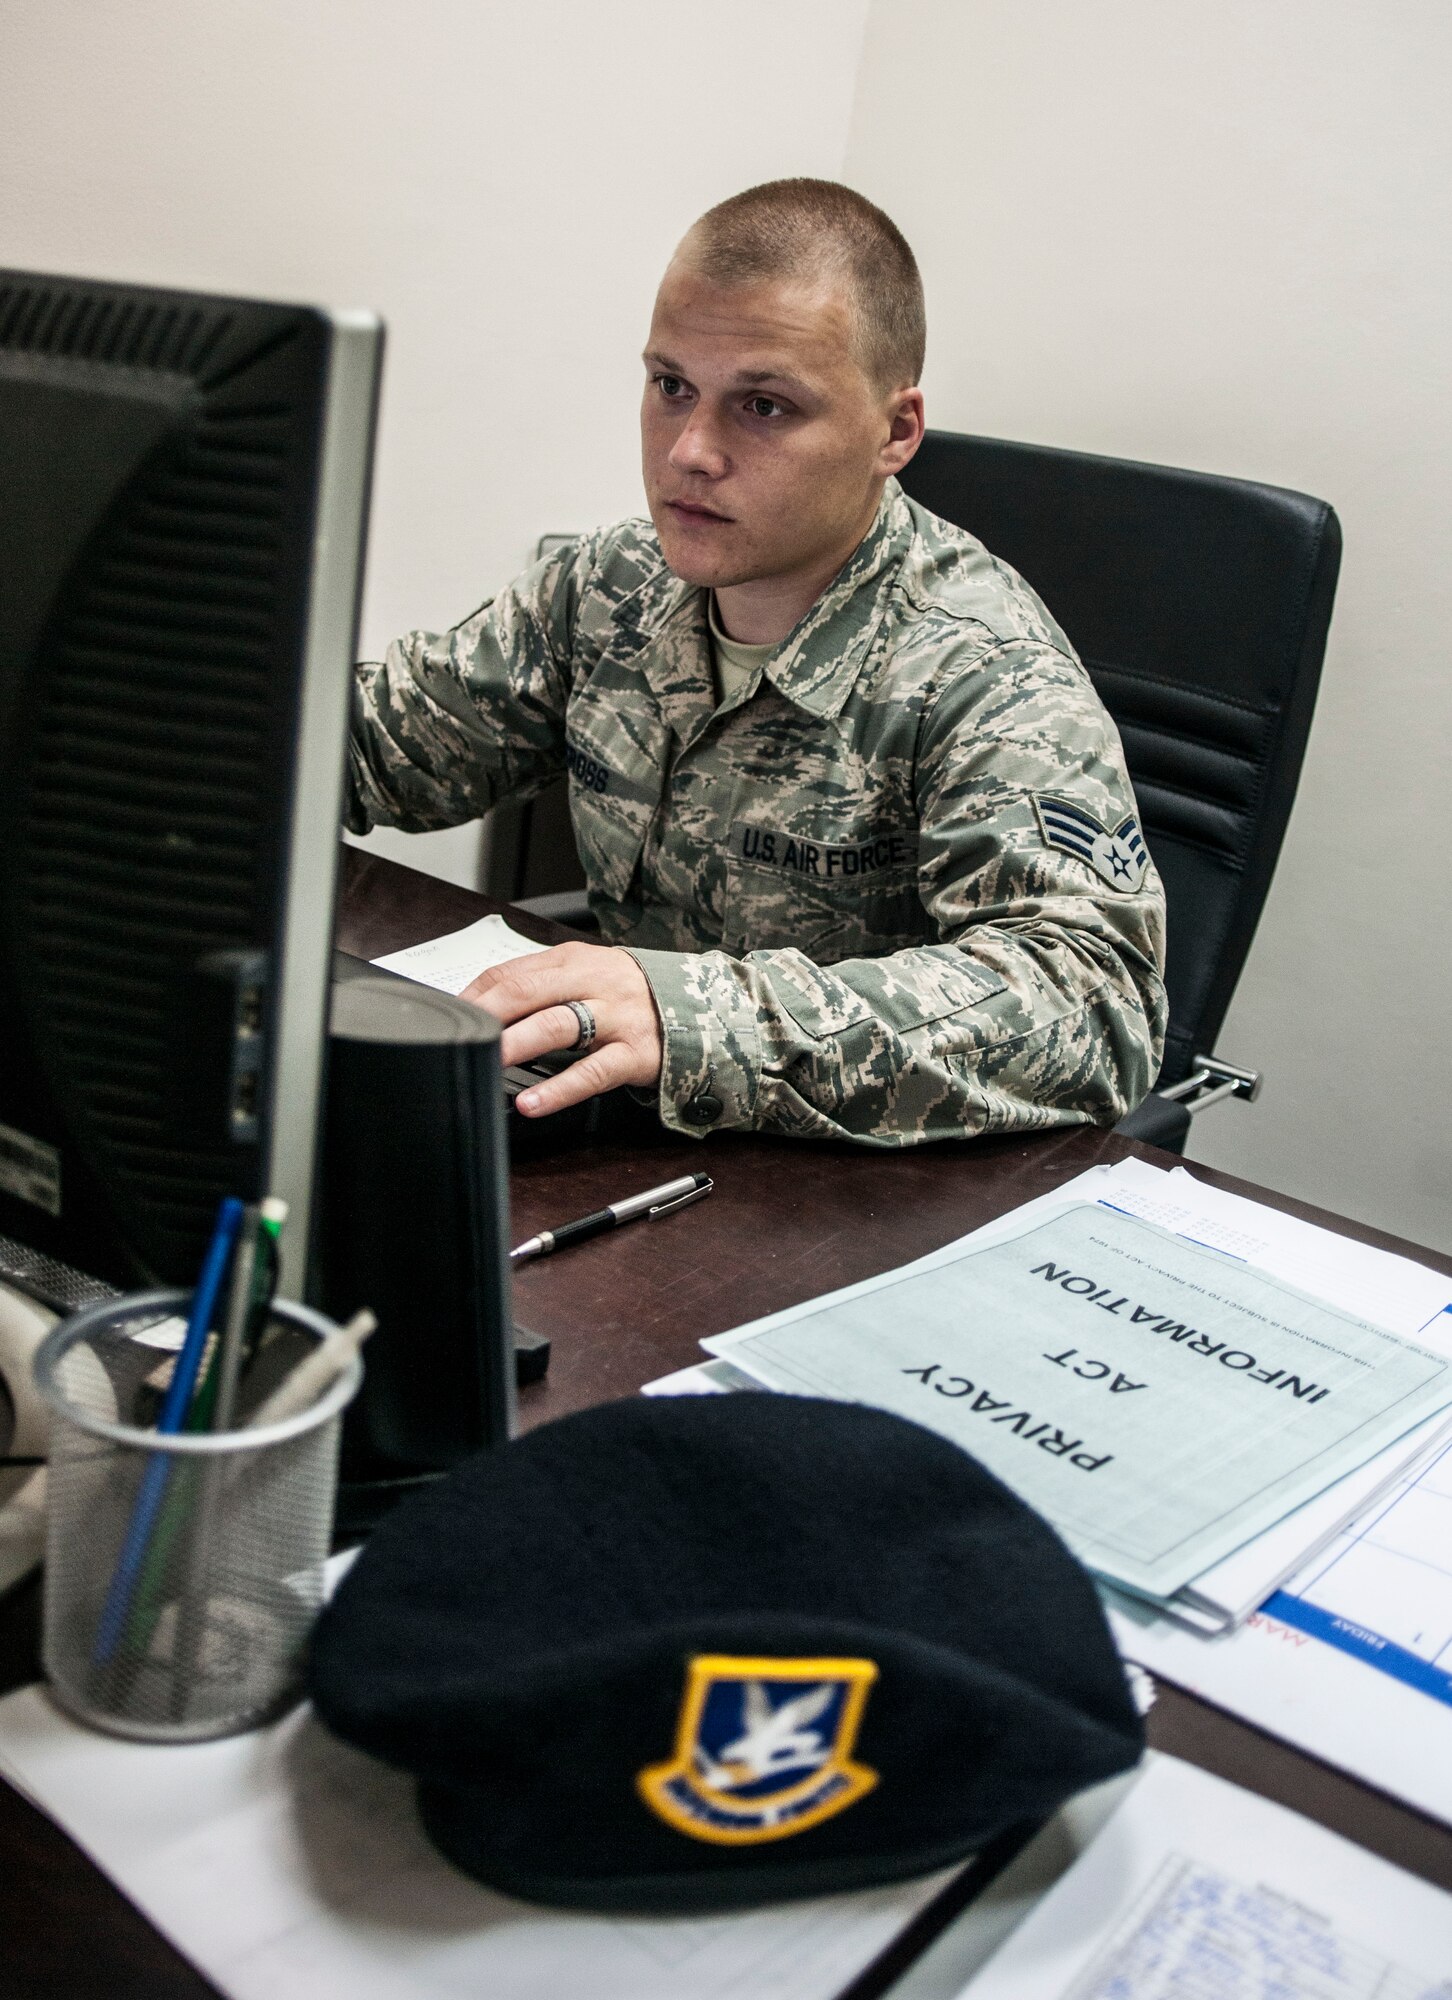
(450, 963)
(1195, 1888)
(286, 1863)
(971, 1940)
(1391, 1291)
(705, 1378)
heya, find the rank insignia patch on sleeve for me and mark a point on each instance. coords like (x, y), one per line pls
(1118, 854)
(763, 1748)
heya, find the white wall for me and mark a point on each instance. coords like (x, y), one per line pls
(1218, 237)
(503, 182)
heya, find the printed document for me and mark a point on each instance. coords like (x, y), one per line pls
(1197, 1888)
(1159, 1403)
(1390, 1290)
(1382, 1591)
(451, 963)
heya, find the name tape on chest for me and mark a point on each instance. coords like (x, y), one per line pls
(1117, 853)
(586, 770)
(766, 847)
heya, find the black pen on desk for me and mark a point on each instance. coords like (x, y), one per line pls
(635, 1208)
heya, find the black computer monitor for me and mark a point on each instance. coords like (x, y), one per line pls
(183, 493)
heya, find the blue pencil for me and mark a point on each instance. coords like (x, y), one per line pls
(173, 1414)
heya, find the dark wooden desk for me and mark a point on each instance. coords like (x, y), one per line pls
(786, 1220)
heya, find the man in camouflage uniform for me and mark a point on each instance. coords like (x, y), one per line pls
(857, 830)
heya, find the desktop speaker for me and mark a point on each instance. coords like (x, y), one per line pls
(413, 1223)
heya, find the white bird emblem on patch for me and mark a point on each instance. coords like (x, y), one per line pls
(771, 1740)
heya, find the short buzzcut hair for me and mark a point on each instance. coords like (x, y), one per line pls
(792, 227)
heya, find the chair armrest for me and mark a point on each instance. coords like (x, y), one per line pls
(1164, 1117)
(1157, 1122)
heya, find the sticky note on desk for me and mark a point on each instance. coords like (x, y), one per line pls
(448, 964)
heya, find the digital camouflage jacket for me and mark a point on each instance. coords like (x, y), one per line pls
(895, 890)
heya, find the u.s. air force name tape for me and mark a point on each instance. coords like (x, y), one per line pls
(892, 849)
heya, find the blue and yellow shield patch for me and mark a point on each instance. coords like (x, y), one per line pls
(763, 1748)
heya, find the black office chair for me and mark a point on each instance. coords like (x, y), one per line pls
(1200, 607)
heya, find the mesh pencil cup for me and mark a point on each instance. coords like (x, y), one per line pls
(182, 1573)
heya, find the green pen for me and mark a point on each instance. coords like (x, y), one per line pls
(271, 1217)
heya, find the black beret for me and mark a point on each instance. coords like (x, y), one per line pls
(697, 1652)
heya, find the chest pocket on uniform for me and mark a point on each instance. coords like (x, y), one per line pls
(615, 755)
(831, 899)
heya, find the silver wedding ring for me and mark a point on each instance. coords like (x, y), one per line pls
(587, 1024)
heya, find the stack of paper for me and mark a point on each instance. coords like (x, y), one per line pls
(1198, 1392)
(1352, 1657)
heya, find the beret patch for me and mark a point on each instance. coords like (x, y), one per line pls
(763, 1748)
